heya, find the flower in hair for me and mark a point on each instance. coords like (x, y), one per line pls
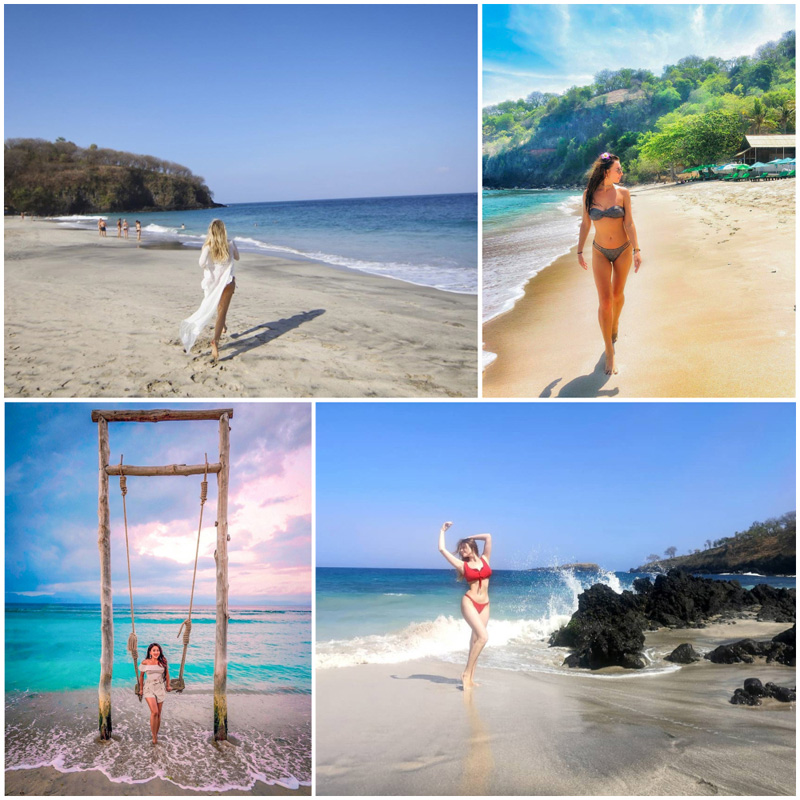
(605, 156)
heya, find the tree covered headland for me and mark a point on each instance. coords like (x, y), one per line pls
(696, 113)
(49, 178)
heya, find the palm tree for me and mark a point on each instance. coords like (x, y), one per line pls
(759, 115)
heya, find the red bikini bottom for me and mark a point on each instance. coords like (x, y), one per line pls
(478, 606)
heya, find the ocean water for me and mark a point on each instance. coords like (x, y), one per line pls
(388, 616)
(429, 240)
(523, 232)
(52, 674)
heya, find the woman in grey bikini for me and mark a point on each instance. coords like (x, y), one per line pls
(615, 247)
(154, 685)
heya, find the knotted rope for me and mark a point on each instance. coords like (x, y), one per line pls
(177, 684)
(133, 644)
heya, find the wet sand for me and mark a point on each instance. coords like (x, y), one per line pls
(710, 313)
(408, 729)
(91, 317)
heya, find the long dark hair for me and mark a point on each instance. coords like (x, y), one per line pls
(598, 174)
(473, 545)
(162, 659)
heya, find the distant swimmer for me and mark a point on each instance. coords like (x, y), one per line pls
(218, 285)
(125, 227)
(119, 229)
(138, 231)
(183, 227)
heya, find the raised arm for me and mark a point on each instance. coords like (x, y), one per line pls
(630, 228)
(586, 226)
(487, 543)
(457, 563)
(234, 249)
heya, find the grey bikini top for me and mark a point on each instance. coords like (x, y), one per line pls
(615, 212)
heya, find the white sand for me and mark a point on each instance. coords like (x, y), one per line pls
(91, 317)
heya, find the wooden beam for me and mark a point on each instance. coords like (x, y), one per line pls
(171, 469)
(160, 415)
(106, 606)
(221, 557)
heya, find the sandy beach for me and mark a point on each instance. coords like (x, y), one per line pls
(710, 313)
(408, 729)
(91, 317)
(52, 746)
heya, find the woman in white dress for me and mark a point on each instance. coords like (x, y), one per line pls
(154, 684)
(218, 284)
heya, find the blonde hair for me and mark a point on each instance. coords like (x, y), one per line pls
(217, 241)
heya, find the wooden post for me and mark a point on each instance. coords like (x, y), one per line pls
(221, 557)
(106, 607)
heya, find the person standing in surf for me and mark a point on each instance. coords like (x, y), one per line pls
(474, 568)
(218, 285)
(154, 684)
(614, 249)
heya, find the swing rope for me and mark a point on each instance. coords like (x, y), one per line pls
(186, 626)
(133, 644)
(176, 684)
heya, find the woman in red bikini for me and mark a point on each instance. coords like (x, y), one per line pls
(615, 247)
(475, 569)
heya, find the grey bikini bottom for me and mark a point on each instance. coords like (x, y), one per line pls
(613, 253)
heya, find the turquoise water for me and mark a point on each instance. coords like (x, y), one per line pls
(429, 240)
(523, 232)
(53, 648)
(394, 615)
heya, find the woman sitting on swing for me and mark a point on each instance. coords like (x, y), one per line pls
(153, 685)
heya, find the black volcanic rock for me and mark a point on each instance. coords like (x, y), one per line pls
(683, 654)
(680, 600)
(607, 630)
(781, 650)
(754, 691)
(778, 605)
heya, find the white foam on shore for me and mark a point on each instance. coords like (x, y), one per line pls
(445, 276)
(519, 644)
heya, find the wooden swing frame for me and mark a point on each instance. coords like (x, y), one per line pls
(222, 470)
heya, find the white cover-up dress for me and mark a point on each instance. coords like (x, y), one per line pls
(216, 276)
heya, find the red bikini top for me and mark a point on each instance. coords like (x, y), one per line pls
(471, 574)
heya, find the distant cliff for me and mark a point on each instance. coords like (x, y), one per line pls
(768, 548)
(54, 178)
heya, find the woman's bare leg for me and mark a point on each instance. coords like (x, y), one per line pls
(601, 268)
(622, 268)
(477, 622)
(158, 728)
(154, 717)
(222, 313)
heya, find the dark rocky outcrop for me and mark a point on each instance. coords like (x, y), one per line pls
(754, 691)
(777, 605)
(683, 654)
(606, 630)
(781, 650)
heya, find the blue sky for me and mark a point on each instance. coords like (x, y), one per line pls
(552, 483)
(51, 505)
(549, 48)
(267, 102)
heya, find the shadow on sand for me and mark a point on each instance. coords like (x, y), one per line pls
(590, 385)
(431, 678)
(264, 334)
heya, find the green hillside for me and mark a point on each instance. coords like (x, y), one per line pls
(768, 548)
(697, 111)
(50, 178)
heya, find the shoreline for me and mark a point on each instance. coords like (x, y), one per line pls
(589, 734)
(52, 745)
(740, 344)
(296, 328)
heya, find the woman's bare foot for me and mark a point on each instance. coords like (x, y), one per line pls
(611, 366)
(214, 353)
(467, 681)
